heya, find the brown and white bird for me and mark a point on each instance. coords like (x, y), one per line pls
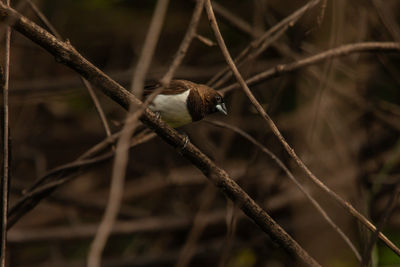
(183, 102)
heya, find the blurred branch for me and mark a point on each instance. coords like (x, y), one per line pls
(256, 47)
(340, 51)
(285, 240)
(97, 104)
(391, 204)
(207, 198)
(92, 94)
(348, 207)
(122, 148)
(292, 178)
(58, 176)
(143, 225)
(387, 18)
(191, 32)
(233, 20)
(4, 183)
(205, 40)
(67, 55)
(43, 18)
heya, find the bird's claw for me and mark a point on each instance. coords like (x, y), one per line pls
(185, 142)
(158, 115)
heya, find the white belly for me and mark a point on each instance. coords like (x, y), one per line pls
(172, 108)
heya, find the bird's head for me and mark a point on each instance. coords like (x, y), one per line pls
(208, 100)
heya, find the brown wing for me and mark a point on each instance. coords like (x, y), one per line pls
(175, 87)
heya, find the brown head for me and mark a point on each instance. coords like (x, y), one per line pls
(203, 100)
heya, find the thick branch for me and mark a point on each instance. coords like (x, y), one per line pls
(67, 55)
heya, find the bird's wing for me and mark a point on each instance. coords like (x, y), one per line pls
(175, 87)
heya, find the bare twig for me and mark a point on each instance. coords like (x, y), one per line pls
(295, 248)
(92, 94)
(43, 18)
(391, 204)
(340, 51)
(190, 34)
(253, 55)
(292, 178)
(366, 46)
(141, 225)
(388, 19)
(234, 20)
(146, 55)
(322, 13)
(197, 228)
(122, 149)
(285, 23)
(63, 174)
(4, 80)
(205, 40)
(97, 104)
(70, 57)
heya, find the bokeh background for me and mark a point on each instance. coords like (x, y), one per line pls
(341, 116)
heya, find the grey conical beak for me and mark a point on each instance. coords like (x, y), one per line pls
(222, 108)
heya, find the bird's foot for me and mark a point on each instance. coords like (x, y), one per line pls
(185, 142)
(158, 114)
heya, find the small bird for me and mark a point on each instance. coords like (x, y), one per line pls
(183, 102)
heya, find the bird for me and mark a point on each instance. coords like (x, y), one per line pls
(183, 102)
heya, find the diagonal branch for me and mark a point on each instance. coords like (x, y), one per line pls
(66, 54)
(122, 150)
(281, 165)
(263, 41)
(92, 94)
(295, 248)
(4, 182)
(340, 51)
(184, 46)
(347, 206)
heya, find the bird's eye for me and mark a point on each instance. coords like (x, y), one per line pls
(218, 99)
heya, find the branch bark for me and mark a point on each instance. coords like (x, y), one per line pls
(4, 81)
(66, 54)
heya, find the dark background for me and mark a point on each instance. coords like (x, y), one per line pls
(341, 116)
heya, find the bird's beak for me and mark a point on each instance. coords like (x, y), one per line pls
(222, 108)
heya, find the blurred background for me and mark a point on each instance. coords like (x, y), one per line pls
(341, 116)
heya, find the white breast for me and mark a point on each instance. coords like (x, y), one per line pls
(172, 108)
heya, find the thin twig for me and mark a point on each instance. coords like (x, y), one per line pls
(184, 46)
(65, 173)
(391, 204)
(92, 94)
(232, 19)
(294, 247)
(251, 56)
(122, 149)
(206, 197)
(6, 153)
(97, 104)
(387, 19)
(277, 133)
(43, 18)
(146, 55)
(292, 178)
(70, 57)
(340, 51)
(285, 23)
(150, 224)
